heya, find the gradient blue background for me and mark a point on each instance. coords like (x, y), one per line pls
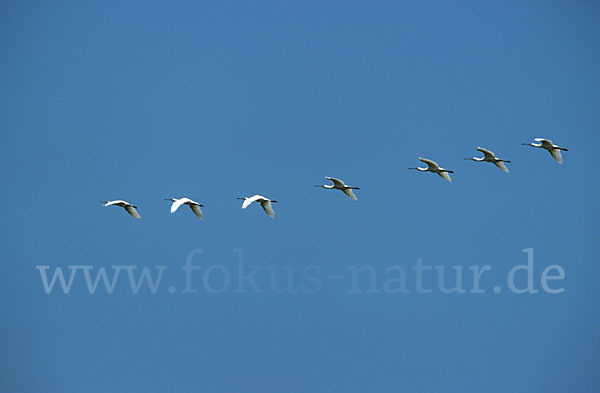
(214, 100)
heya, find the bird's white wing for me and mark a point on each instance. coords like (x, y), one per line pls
(486, 153)
(177, 204)
(349, 192)
(430, 164)
(501, 165)
(266, 204)
(117, 202)
(336, 182)
(197, 211)
(134, 213)
(556, 155)
(546, 143)
(445, 175)
(248, 201)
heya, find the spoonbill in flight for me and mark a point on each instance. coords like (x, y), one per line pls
(433, 167)
(264, 202)
(125, 205)
(489, 156)
(339, 185)
(195, 206)
(547, 144)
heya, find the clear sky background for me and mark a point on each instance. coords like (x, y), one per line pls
(216, 100)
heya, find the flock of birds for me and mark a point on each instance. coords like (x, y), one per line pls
(432, 166)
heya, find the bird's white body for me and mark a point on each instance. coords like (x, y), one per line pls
(547, 144)
(264, 202)
(129, 208)
(433, 167)
(489, 156)
(340, 185)
(194, 206)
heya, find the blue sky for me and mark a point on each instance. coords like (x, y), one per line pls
(147, 100)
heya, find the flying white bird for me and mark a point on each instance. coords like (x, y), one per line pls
(195, 206)
(339, 185)
(433, 167)
(489, 156)
(125, 205)
(547, 144)
(264, 202)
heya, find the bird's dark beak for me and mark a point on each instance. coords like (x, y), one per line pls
(273, 201)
